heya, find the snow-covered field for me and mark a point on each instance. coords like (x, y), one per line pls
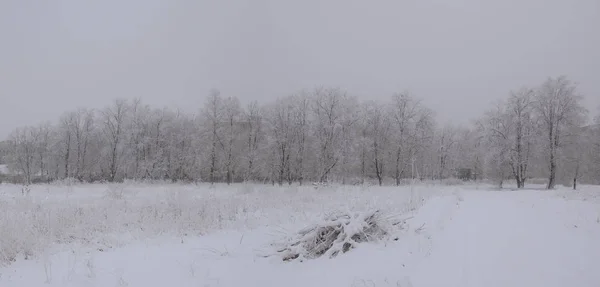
(187, 235)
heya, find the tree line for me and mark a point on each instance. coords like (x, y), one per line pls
(321, 135)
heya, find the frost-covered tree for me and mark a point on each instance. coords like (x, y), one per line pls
(212, 119)
(595, 143)
(67, 123)
(182, 148)
(42, 147)
(520, 109)
(470, 153)
(349, 124)
(446, 141)
(497, 126)
(559, 108)
(323, 135)
(114, 122)
(329, 109)
(254, 133)
(577, 154)
(82, 126)
(300, 132)
(23, 143)
(412, 125)
(280, 119)
(376, 128)
(229, 144)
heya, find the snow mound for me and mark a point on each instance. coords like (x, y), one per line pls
(339, 233)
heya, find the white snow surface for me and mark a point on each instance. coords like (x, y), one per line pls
(456, 236)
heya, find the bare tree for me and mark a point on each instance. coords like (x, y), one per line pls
(301, 105)
(522, 132)
(595, 130)
(82, 125)
(281, 133)
(578, 152)
(497, 126)
(23, 152)
(349, 122)
(411, 121)
(137, 130)
(446, 140)
(323, 135)
(42, 148)
(182, 153)
(377, 127)
(157, 150)
(232, 112)
(254, 119)
(114, 121)
(558, 106)
(67, 123)
(213, 117)
(328, 111)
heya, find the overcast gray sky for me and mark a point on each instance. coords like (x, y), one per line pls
(457, 55)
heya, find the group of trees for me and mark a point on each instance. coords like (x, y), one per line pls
(319, 136)
(542, 131)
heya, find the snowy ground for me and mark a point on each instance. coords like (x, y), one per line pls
(169, 235)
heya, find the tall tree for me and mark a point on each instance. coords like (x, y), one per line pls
(447, 139)
(67, 123)
(23, 142)
(377, 127)
(300, 117)
(559, 108)
(213, 118)
(497, 126)
(43, 149)
(253, 117)
(232, 112)
(411, 121)
(522, 132)
(328, 111)
(114, 121)
(281, 134)
(82, 126)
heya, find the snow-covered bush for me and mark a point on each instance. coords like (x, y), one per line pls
(337, 234)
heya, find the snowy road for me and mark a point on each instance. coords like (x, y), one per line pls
(469, 239)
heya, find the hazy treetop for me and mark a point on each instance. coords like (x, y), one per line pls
(457, 55)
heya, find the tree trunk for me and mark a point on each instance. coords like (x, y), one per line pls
(553, 136)
(282, 166)
(67, 152)
(397, 175)
(378, 168)
(362, 166)
(113, 163)
(520, 182)
(552, 177)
